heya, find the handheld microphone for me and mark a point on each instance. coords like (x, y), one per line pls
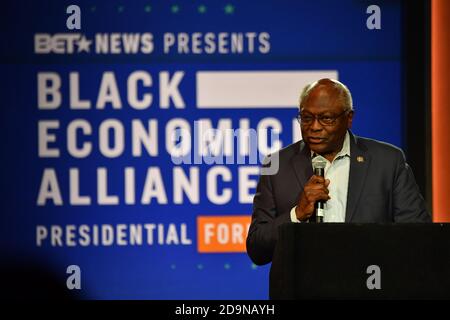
(319, 170)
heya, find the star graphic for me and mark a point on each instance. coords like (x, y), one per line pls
(175, 8)
(83, 44)
(229, 9)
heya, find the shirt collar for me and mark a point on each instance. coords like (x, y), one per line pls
(345, 151)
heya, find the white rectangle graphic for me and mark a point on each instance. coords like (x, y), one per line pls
(254, 89)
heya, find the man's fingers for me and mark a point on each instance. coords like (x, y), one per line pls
(314, 195)
(316, 179)
(317, 187)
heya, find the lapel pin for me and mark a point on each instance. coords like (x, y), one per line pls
(360, 159)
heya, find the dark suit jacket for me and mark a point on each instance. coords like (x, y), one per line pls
(381, 189)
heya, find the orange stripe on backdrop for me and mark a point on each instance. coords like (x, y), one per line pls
(222, 233)
(440, 108)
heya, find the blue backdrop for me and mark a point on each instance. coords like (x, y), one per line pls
(282, 36)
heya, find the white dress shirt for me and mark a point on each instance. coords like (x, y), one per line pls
(337, 172)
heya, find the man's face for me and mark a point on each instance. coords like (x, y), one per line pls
(325, 140)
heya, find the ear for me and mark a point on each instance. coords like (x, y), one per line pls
(350, 119)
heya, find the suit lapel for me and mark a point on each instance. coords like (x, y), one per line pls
(301, 162)
(359, 164)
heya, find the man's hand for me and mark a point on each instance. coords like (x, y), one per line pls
(315, 189)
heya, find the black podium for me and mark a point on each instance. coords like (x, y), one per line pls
(344, 261)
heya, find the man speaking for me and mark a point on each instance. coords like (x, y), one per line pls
(365, 181)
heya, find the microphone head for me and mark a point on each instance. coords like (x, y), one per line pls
(318, 163)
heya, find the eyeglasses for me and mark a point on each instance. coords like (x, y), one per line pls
(324, 120)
